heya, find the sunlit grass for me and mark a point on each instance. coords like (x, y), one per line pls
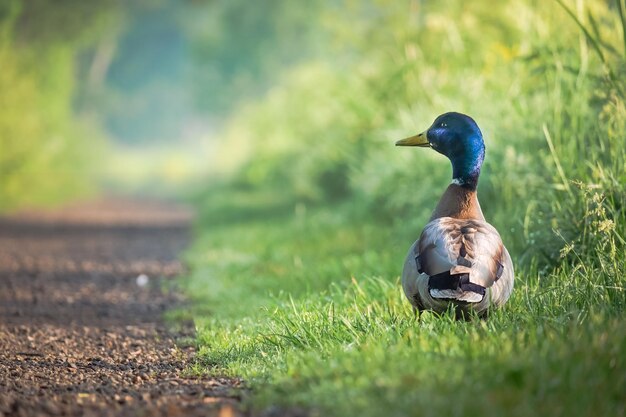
(295, 270)
(307, 307)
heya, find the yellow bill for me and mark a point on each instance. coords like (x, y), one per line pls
(417, 140)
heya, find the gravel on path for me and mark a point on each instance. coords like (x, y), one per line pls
(83, 291)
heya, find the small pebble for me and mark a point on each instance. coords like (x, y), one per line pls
(142, 280)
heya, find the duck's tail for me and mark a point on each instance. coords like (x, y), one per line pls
(457, 287)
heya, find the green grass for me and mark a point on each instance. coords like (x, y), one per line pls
(296, 289)
(306, 306)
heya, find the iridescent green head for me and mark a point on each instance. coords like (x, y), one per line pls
(458, 137)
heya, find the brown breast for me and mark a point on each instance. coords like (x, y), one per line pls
(459, 203)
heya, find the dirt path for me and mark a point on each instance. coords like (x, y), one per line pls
(82, 295)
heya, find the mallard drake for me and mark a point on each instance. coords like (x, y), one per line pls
(459, 259)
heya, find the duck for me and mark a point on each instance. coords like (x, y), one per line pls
(459, 261)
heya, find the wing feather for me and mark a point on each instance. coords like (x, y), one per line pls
(461, 246)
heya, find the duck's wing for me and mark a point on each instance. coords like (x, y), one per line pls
(503, 287)
(462, 258)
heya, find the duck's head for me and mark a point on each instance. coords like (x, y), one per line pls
(458, 137)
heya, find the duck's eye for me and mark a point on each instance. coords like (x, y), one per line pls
(442, 124)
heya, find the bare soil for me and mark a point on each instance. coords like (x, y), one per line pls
(83, 291)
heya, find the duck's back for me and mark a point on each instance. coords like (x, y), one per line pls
(460, 261)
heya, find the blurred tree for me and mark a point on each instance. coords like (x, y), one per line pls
(44, 149)
(242, 48)
(137, 77)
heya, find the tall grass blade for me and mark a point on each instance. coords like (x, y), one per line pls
(621, 5)
(555, 157)
(594, 42)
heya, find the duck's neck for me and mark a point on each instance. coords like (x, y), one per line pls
(466, 165)
(459, 202)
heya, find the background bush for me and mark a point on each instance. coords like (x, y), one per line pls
(545, 95)
(46, 152)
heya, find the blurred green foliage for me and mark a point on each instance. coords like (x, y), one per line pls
(44, 150)
(541, 93)
(241, 49)
(137, 75)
